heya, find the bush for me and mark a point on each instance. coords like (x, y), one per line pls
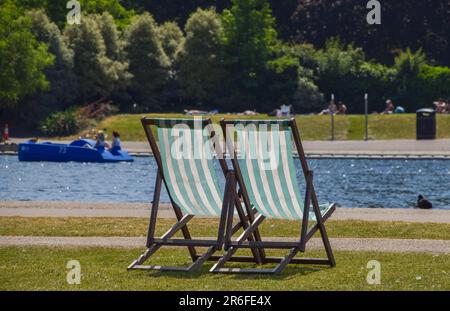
(434, 83)
(376, 80)
(61, 123)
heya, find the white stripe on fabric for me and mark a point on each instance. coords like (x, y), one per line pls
(208, 175)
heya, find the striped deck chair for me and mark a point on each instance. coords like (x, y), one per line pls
(193, 188)
(263, 161)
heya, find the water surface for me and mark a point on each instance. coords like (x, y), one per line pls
(350, 183)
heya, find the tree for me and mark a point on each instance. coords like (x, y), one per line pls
(57, 11)
(148, 62)
(337, 68)
(97, 74)
(178, 11)
(250, 36)
(171, 38)
(22, 58)
(63, 83)
(110, 35)
(256, 71)
(408, 65)
(200, 59)
(405, 23)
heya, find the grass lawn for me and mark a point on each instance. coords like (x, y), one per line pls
(43, 268)
(312, 127)
(131, 227)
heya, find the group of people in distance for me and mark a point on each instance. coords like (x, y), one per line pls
(441, 106)
(339, 109)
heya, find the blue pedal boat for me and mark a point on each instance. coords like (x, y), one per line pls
(81, 150)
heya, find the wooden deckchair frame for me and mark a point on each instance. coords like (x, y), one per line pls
(295, 247)
(230, 198)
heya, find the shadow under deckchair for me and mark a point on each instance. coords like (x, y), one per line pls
(271, 187)
(193, 189)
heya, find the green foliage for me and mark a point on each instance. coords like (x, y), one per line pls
(250, 35)
(337, 67)
(172, 39)
(255, 73)
(376, 80)
(434, 82)
(57, 11)
(61, 123)
(307, 95)
(121, 16)
(22, 57)
(97, 74)
(109, 34)
(405, 23)
(343, 71)
(200, 59)
(63, 82)
(408, 65)
(148, 62)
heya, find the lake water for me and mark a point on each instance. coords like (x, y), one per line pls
(350, 183)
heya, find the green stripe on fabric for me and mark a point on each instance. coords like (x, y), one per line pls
(292, 171)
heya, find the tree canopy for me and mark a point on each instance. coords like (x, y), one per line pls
(22, 57)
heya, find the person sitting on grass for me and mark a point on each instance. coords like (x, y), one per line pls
(441, 106)
(390, 108)
(341, 108)
(332, 109)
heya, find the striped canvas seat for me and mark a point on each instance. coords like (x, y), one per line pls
(189, 173)
(267, 167)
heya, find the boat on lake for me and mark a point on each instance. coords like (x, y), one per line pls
(81, 150)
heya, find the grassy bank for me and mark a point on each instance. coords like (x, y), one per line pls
(42, 268)
(131, 227)
(312, 127)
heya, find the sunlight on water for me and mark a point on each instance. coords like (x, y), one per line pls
(350, 183)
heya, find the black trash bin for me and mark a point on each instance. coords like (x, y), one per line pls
(426, 124)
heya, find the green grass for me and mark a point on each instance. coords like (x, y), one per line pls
(16, 226)
(312, 127)
(42, 268)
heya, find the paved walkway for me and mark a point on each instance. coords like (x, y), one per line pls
(379, 148)
(83, 209)
(437, 247)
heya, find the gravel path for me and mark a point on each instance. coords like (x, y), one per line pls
(83, 209)
(339, 244)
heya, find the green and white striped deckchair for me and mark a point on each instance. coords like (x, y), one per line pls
(263, 160)
(184, 155)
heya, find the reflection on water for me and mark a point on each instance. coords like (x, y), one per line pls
(350, 183)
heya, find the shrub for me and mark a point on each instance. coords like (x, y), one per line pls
(434, 83)
(376, 80)
(61, 123)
